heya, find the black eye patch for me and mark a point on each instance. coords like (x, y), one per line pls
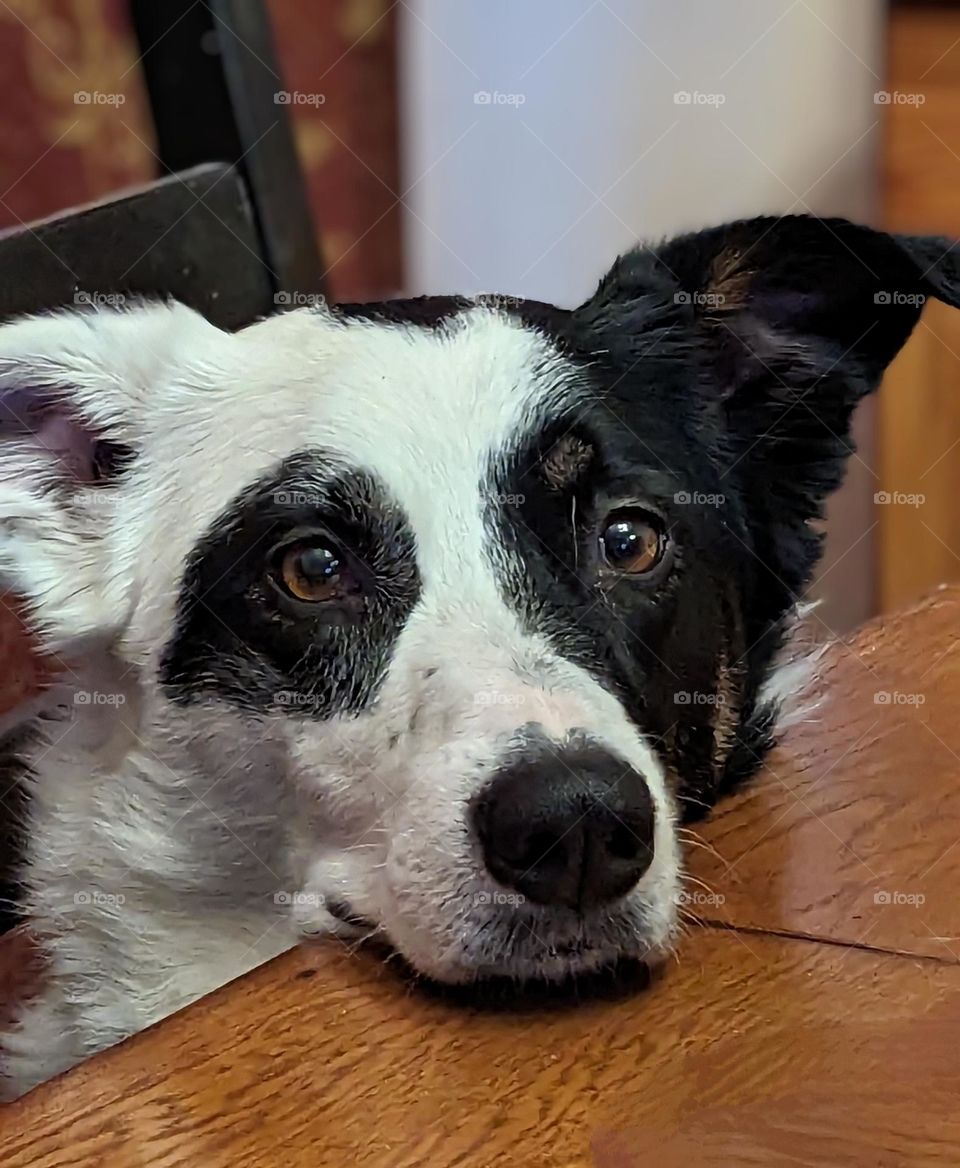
(236, 641)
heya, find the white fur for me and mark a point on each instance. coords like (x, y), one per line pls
(788, 689)
(225, 836)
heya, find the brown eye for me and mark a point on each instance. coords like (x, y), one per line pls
(633, 542)
(312, 572)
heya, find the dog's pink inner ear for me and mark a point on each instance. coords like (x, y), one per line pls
(36, 420)
(73, 446)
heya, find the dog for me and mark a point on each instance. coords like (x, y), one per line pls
(427, 620)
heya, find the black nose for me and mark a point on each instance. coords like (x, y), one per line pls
(572, 826)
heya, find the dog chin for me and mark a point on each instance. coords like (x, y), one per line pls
(518, 971)
(533, 953)
(486, 941)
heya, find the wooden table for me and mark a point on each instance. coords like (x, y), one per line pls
(813, 1019)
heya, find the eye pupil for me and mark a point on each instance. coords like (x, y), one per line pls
(318, 564)
(633, 543)
(311, 572)
(622, 540)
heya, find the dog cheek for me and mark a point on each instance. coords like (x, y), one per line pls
(423, 906)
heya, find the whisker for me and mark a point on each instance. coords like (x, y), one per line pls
(697, 882)
(689, 837)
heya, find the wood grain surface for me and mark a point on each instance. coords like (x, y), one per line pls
(919, 405)
(853, 832)
(787, 1052)
(810, 1024)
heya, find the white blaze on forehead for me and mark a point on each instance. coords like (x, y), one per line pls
(428, 411)
(432, 412)
(421, 408)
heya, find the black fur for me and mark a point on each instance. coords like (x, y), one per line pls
(657, 642)
(13, 816)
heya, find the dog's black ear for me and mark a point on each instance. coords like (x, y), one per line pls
(821, 294)
(789, 322)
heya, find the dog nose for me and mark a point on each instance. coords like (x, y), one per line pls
(569, 827)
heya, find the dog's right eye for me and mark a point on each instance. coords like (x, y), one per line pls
(312, 572)
(633, 542)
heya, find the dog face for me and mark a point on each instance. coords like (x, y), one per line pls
(488, 592)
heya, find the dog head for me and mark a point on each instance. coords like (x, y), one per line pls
(494, 587)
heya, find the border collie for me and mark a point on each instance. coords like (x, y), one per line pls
(427, 620)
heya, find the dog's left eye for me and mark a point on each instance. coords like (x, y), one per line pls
(313, 572)
(633, 542)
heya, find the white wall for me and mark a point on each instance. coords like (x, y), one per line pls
(588, 150)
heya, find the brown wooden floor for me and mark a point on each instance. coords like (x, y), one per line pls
(813, 1020)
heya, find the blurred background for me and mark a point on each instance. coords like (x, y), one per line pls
(467, 146)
